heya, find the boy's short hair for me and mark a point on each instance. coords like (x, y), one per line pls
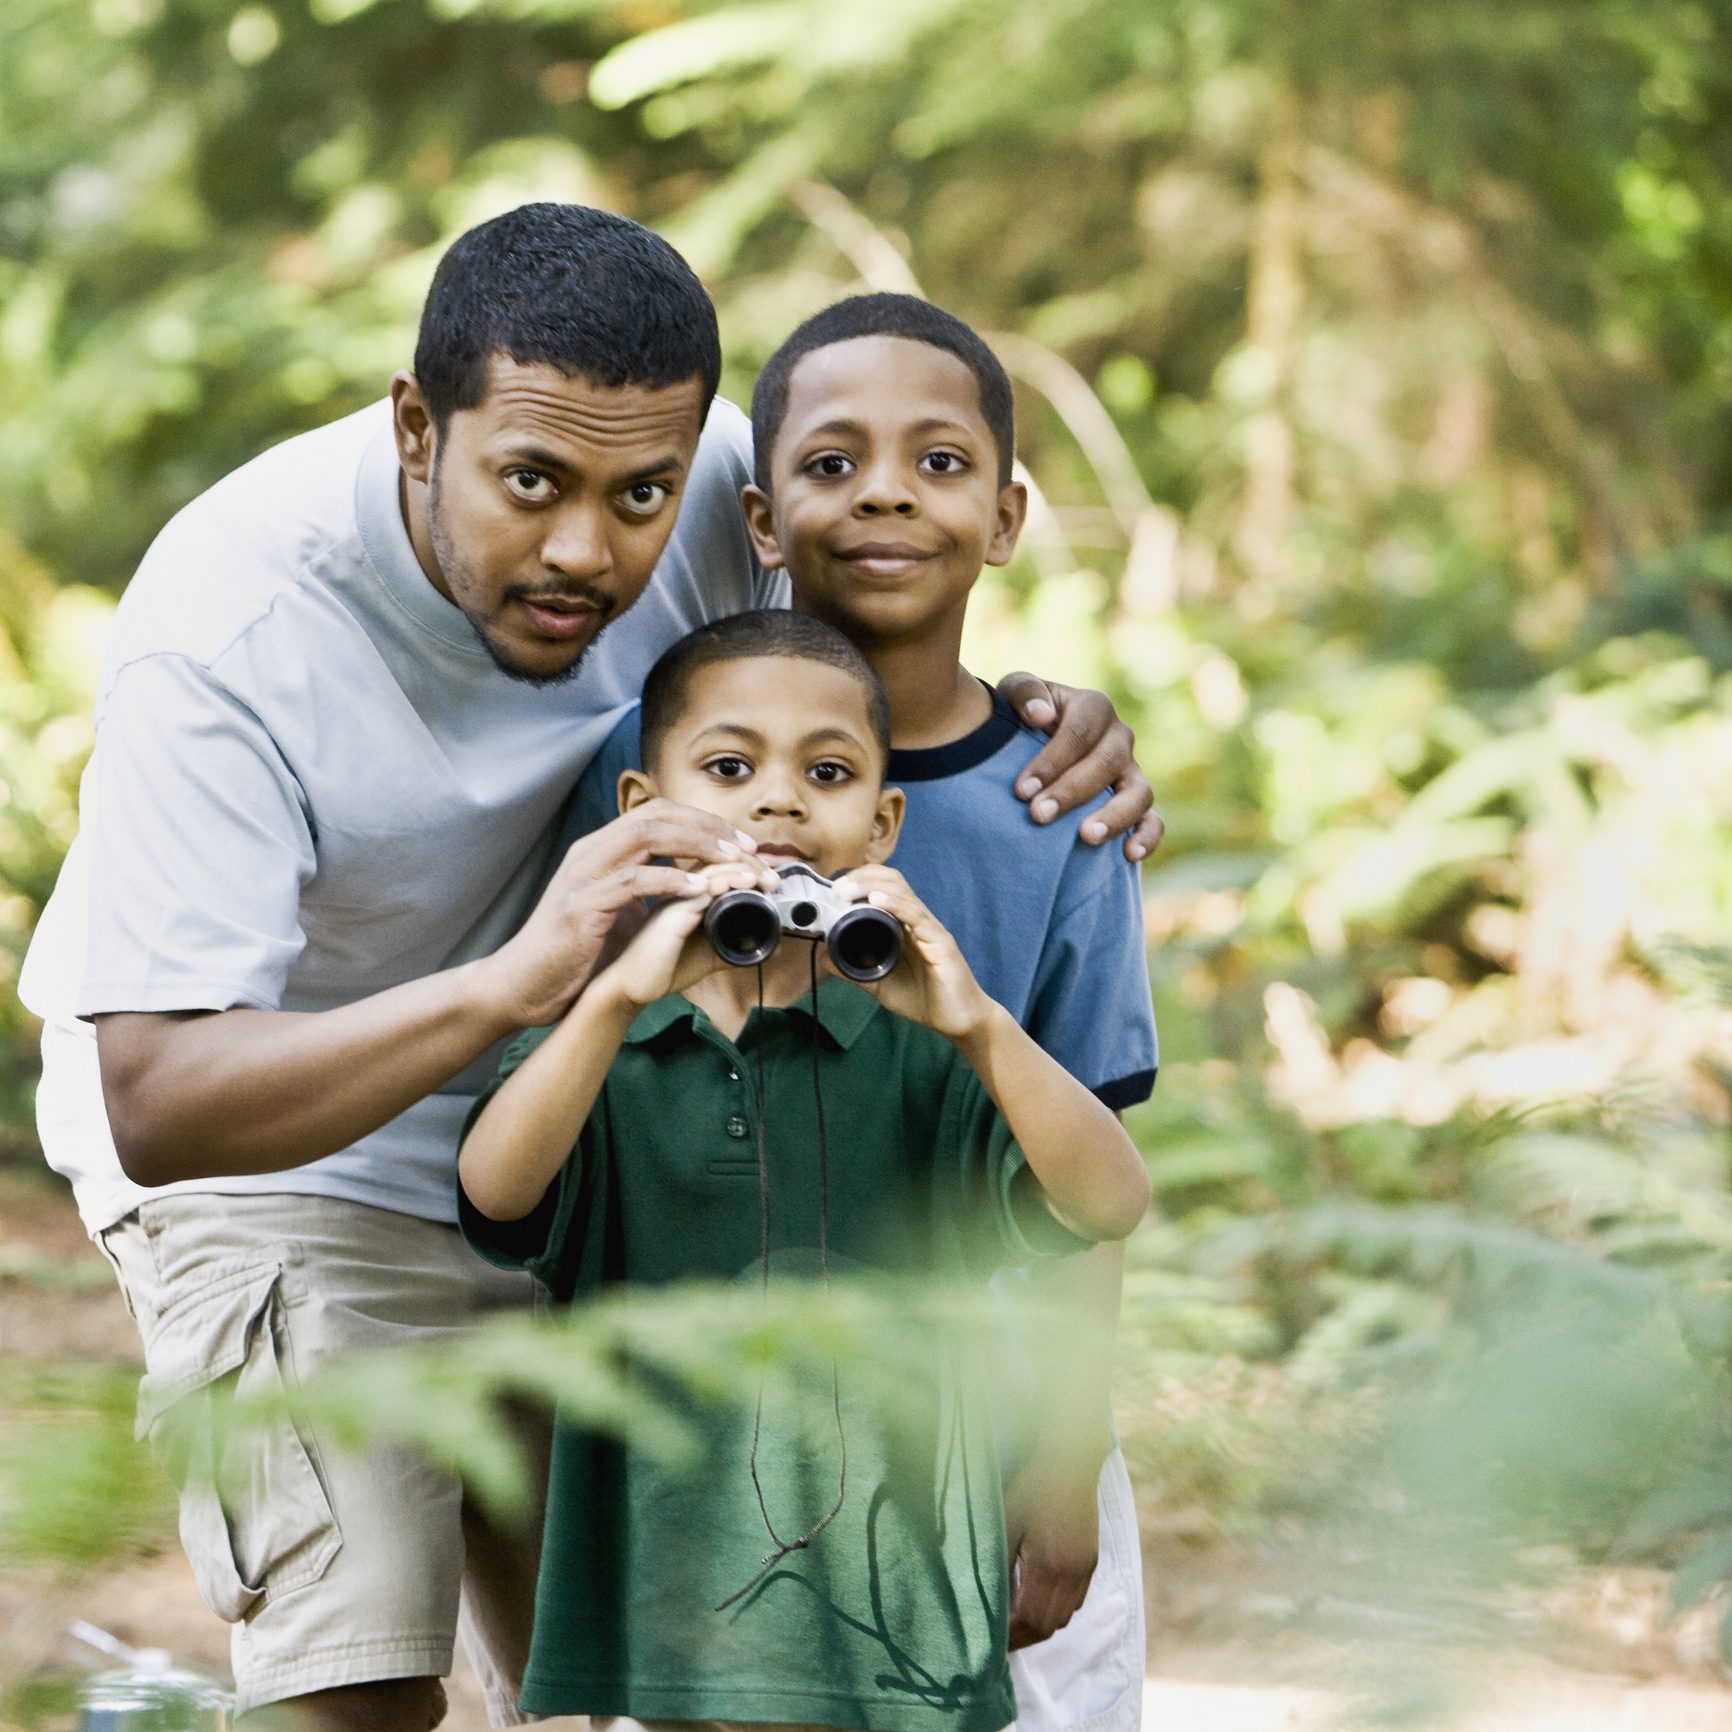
(770, 631)
(592, 294)
(882, 316)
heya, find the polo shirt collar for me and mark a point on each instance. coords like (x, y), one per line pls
(844, 1010)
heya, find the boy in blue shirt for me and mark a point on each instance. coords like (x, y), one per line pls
(883, 434)
(913, 1129)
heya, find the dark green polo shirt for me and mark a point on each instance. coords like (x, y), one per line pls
(895, 1618)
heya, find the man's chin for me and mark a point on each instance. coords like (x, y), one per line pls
(555, 668)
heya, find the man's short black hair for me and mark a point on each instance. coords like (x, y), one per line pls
(770, 631)
(882, 316)
(593, 294)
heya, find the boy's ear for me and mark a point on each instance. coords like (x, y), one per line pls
(886, 825)
(635, 787)
(1012, 514)
(761, 526)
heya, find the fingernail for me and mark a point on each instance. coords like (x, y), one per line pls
(749, 843)
(1138, 850)
(1094, 832)
(1044, 809)
(728, 851)
(1028, 787)
(694, 882)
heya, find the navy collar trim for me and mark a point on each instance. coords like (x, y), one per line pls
(933, 763)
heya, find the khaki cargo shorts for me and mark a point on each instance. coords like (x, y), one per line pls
(334, 1568)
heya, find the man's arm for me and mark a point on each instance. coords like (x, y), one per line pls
(208, 1094)
(1090, 750)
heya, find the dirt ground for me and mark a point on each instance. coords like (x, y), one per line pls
(1230, 1646)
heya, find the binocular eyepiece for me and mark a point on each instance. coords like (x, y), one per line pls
(745, 926)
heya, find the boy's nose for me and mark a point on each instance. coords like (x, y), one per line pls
(884, 491)
(778, 797)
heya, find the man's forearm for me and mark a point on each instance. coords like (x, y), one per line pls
(208, 1095)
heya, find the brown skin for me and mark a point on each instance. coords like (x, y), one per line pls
(884, 505)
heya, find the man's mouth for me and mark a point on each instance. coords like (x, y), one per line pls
(559, 616)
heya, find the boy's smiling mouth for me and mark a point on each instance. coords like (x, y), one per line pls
(886, 558)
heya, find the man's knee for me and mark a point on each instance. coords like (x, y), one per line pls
(390, 1705)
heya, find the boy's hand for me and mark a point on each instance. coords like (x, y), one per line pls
(533, 977)
(671, 951)
(931, 984)
(1090, 750)
(1052, 1526)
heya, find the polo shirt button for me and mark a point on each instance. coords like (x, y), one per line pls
(737, 1126)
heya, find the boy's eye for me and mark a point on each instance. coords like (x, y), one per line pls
(830, 773)
(530, 485)
(944, 462)
(645, 498)
(829, 465)
(729, 767)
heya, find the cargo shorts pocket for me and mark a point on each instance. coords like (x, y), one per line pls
(255, 1519)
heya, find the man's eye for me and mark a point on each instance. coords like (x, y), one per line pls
(944, 462)
(830, 773)
(829, 465)
(529, 485)
(645, 498)
(729, 768)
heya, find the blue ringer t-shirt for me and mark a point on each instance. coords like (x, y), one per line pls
(1052, 927)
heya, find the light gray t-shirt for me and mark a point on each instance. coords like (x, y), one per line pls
(311, 783)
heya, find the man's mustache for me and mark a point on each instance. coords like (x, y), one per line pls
(599, 599)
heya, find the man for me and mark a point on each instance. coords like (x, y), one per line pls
(333, 735)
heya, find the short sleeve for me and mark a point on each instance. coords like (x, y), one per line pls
(1006, 1218)
(536, 1242)
(595, 799)
(1090, 1007)
(199, 851)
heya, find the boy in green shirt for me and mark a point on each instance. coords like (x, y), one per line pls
(622, 1146)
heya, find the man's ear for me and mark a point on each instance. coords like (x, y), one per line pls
(635, 788)
(1012, 514)
(412, 426)
(761, 526)
(886, 825)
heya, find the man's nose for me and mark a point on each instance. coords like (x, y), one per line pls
(576, 544)
(885, 490)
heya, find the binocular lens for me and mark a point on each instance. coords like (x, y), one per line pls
(744, 927)
(865, 943)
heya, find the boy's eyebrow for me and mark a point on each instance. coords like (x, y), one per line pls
(739, 731)
(929, 424)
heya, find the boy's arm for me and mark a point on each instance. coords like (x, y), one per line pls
(1090, 1173)
(1052, 1519)
(521, 1138)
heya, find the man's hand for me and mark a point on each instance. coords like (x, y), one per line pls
(534, 977)
(1090, 750)
(1053, 1531)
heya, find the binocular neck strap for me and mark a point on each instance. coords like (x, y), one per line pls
(785, 1548)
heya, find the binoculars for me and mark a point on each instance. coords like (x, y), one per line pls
(745, 926)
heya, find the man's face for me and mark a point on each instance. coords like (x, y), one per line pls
(547, 506)
(783, 749)
(885, 499)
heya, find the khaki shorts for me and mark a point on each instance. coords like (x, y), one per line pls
(334, 1568)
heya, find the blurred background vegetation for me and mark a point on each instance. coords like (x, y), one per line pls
(1375, 368)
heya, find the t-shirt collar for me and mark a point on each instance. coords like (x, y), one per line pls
(844, 1010)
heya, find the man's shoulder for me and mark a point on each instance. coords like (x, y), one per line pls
(222, 562)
